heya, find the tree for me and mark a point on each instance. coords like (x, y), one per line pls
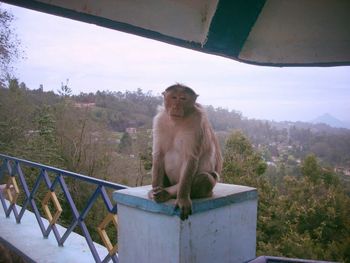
(242, 165)
(310, 168)
(16, 113)
(9, 45)
(306, 217)
(42, 140)
(125, 145)
(84, 143)
(143, 149)
(309, 218)
(241, 162)
(65, 90)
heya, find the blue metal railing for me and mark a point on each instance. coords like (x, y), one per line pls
(12, 167)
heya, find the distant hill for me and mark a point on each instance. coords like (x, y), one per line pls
(330, 120)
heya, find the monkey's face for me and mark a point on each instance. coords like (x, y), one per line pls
(178, 103)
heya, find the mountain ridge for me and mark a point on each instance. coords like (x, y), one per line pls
(330, 120)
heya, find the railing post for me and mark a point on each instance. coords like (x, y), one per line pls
(221, 228)
(11, 168)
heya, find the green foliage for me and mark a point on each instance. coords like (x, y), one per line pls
(311, 169)
(9, 45)
(240, 160)
(65, 90)
(305, 217)
(146, 158)
(16, 112)
(123, 110)
(316, 216)
(42, 140)
(125, 145)
(223, 119)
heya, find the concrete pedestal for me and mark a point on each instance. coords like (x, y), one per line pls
(221, 228)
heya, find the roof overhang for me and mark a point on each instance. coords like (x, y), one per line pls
(262, 32)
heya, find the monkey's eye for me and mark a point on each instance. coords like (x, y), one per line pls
(183, 98)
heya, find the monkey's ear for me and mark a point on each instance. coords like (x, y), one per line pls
(163, 93)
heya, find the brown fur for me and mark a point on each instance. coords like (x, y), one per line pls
(186, 155)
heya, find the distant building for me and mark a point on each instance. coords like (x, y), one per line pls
(343, 170)
(271, 164)
(31, 133)
(131, 130)
(84, 105)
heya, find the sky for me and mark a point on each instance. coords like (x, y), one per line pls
(95, 58)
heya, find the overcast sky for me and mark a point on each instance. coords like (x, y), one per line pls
(95, 58)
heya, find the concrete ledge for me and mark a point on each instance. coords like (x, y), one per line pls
(268, 259)
(26, 239)
(223, 195)
(221, 228)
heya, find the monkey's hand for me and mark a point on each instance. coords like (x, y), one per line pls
(185, 206)
(159, 194)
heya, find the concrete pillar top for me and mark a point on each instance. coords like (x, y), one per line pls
(223, 194)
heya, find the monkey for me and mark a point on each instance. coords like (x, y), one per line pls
(186, 156)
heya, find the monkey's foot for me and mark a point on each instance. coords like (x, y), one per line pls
(159, 194)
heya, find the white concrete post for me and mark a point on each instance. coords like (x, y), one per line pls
(221, 228)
